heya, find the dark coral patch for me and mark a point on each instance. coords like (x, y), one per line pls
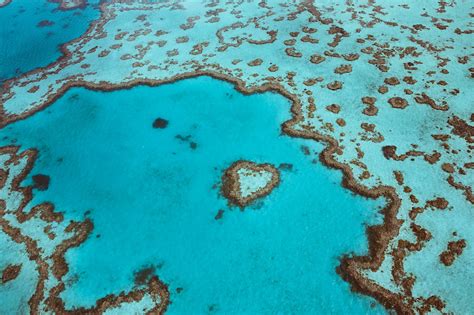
(454, 249)
(398, 102)
(40, 182)
(219, 215)
(143, 276)
(10, 273)
(45, 23)
(160, 123)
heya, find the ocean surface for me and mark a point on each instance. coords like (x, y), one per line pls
(26, 43)
(153, 195)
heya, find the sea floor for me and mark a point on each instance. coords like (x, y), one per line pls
(153, 199)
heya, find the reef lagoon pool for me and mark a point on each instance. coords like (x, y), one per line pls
(154, 197)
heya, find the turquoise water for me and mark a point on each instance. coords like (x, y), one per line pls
(24, 46)
(153, 200)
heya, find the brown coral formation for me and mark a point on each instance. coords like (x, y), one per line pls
(334, 108)
(40, 181)
(453, 250)
(10, 273)
(462, 129)
(231, 186)
(423, 98)
(333, 86)
(316, 59)
(389, 152)
(292, 52)
(255, 62)
(398, 102)
(371, 109)
(392, 81)
(56, 266)
(343, 69)
(160, 123)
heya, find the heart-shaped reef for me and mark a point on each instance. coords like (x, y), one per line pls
(245, 181)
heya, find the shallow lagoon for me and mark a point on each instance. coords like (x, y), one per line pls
(153, 199)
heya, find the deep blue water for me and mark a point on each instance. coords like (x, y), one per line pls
(153, 200)
(25, 46)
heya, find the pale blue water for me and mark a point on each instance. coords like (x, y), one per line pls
(153, 200)
(24, 46)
